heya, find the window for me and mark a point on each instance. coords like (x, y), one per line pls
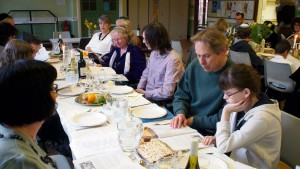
(89, 5)
(202, 12)
(110, 5)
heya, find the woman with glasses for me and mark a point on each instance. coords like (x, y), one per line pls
(250, 125)
(27, 99)
(101, 41)
(125, 58)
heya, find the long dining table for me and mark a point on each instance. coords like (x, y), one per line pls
(98, 147)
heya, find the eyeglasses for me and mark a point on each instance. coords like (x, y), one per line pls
(229, 95)
(117, 39)
(54, 88)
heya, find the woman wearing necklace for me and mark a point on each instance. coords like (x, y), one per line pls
(101, 42)
(125, 58)
(27, 100)
(165, 66)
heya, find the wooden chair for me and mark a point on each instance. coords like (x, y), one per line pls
(240, 57)
(290, 143)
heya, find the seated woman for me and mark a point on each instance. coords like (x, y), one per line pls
(16, 49)
(125, 22)
(165, 66)
(29, 83)
(101, 42)
(250, 125)
(125, 58)
(240, 44)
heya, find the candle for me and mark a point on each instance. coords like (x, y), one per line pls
(63, 50)
(295, 41)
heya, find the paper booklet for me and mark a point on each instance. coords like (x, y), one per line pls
(176, 138)
(94, 145)
(112, 160)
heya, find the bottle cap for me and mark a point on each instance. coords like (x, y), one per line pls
(194, 146)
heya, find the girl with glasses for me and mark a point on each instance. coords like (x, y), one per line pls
(250, 125)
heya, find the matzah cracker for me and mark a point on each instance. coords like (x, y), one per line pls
(154, 150)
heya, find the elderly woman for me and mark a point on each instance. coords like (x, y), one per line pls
(165, 66)
(101, 41)
(125, 22)
(15, 50)
(125, 58)
(27, 100)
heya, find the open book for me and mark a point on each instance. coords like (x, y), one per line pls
(177, 139)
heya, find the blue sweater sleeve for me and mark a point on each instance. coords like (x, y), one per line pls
(137, 64)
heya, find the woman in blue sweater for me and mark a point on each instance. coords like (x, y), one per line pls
(125, 58)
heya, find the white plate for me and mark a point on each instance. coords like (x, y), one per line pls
(211, 162)
(53, 60)
(120, 90)
(149, 112)
(71, 91)
(89, 119)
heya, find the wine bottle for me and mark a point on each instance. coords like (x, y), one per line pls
(60, 44)
(81, 67)
(193, 158)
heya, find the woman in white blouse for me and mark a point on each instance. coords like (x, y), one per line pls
(101, 41)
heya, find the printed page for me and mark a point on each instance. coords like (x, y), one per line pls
(163, 131)
(94, 145)
(182, 142)
(113, 160)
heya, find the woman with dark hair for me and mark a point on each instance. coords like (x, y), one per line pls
(7, 33)
(240, 44)
(273, 37)
(125, 58)
(250, 125)
(165, 66)
(27, 99)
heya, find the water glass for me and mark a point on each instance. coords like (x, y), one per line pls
(55, 48)
(166, 163)
(129, 133)
(121, 109)
(72, 77)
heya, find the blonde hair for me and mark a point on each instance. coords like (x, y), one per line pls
(125, 23)
(221, 24)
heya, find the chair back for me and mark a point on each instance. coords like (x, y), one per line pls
(240, 57)
(176, 45)
(290, 144)
(277, 76)
(64, 34)
(83, 42)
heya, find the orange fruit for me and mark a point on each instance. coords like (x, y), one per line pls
(91, 97)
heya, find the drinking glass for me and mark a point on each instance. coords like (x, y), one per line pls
(129, 133)
(121, 109)
(166, 163)
(268, 44)
(55, 48)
